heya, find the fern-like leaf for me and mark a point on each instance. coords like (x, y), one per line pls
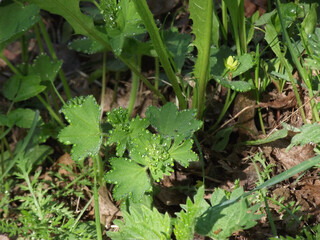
(143, 223)
(185, 223)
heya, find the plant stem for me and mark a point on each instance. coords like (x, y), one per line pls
(142, 78)
(50, 110)
(25, 142)
(201, 158)
(96, 199)
(38, 37)
(36, 203)
(273, 227)
(24, 54)
(256, 75)
(157, 71)
(224, 20)
(134, 88)
(203, 77)
(103, 88)
(226, 105)
(147, 17)
(13, 69)
(242, 27)
(54, 57)
(115, 90)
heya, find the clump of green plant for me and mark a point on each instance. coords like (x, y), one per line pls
(144, 158)
(38, 215)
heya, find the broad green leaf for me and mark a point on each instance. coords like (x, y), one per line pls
(215, 32)
(222, 222)
(271, 36)
(310, 21)
(86, 45)
(142, 223)
(81, 23)
(5, 121)
(310, 133)
(177, 44)
(265, 18)
(187, 217)
(291, 11)
(45, 68)
(245, 64)
(21, 117)
(201, 13)
(83, 115)
(130, 178)
(170, 123)
(238, 86)
(20, 88)
(202, 22)
(15, 20)
(182, 153)
(314, 42)
(217, 57)
(250, 26)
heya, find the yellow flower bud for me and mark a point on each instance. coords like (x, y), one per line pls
(231, 64)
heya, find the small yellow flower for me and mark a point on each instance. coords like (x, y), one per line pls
(231, 64)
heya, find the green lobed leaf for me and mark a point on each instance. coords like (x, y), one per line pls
(24, 18)
(310, 133)
(170, 123)
(83, 115)
(142, 223)
(130, 178)
(20, 88)
(182, 153)
(151, 151)
(45, 68)
(187, 217)
(123, 129)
